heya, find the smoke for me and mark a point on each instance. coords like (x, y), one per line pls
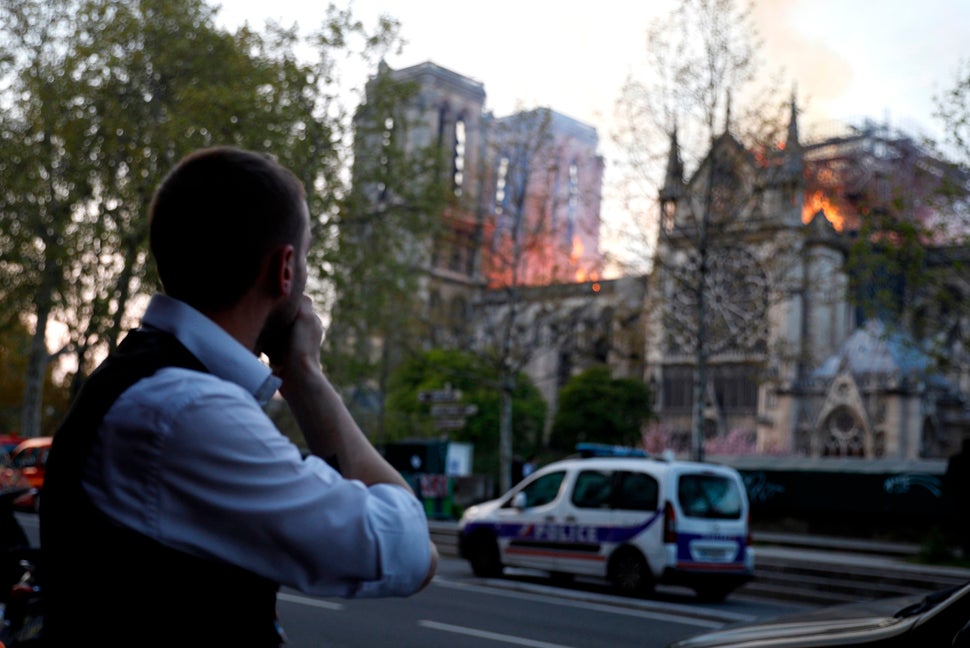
(820, 74)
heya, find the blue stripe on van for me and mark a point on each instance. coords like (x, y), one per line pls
(566, 532)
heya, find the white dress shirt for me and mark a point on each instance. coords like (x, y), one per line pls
(192, 461)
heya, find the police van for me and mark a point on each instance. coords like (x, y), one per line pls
(634, 521)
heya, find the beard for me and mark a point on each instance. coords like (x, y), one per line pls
(274, 339)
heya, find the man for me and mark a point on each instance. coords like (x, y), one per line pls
(529, 466)
(173, 509)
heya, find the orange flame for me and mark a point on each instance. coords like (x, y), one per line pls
(577, 251)
(819, 201)
(575, 255)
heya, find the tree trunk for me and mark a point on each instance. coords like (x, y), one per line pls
(37, 362)
(505, 435)
(701, 351)
(123, 292)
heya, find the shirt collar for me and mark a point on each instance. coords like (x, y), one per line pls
(221, 353)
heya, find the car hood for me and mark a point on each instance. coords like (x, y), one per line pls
(477, 511)
(841, 625)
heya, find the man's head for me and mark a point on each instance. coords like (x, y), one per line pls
(218, 218)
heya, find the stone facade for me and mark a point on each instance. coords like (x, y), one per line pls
(519, 244)
(791, 359)
(790, 355)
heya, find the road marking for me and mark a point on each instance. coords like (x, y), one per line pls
(312, 602)
(682, 617)
(485, 634)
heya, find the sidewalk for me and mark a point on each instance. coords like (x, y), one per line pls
(825, 570)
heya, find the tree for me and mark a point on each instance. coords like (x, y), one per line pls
(452, 214)
(953, 111)
(698, 56)
(702, 53)
(101, 98)
(595, 407)
(903, 209)
(14, 341)
(386, 227)
(408, 417)
(535, 160)
(44, 177)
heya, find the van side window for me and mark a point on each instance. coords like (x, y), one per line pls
(543, 490)
(593, 489)
(637, 491)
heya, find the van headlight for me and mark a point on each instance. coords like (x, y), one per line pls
(470, 514)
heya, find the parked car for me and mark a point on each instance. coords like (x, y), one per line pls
(30, 457)
(938, 619)
(13, 482)
(9, 441)
(634, 521)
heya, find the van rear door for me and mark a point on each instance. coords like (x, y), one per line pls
(712, 524)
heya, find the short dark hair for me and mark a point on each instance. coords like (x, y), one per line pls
(215, 218)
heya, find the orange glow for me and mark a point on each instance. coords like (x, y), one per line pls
(542, 260)
(575, 255)
(577, 251)
(819, 201)
(596, 287)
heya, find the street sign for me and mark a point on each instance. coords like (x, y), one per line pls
(440, 396)
(453, 411)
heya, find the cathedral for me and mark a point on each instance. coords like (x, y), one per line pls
(758, 284)
(515, 262)
(756, 318)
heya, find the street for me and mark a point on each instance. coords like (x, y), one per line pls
(520, 610)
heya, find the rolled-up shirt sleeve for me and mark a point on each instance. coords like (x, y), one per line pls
(405, 550)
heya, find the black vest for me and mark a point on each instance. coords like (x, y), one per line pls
(107, 585)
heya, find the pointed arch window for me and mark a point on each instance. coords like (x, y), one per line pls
(572, 201)
(843, 435)
(458, 157)
(387, 140)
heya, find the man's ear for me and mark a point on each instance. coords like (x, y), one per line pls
(281, 271)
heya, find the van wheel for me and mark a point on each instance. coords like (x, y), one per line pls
(629, 572)
(484, 557)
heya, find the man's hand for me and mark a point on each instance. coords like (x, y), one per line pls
(301, 354)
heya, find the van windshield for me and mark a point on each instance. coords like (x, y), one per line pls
(709, 496)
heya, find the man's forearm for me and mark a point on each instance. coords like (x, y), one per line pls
(330, 431)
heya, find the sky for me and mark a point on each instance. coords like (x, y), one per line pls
(847, 59)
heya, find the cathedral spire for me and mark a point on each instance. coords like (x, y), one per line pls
(727, 113)
(793, 163)
(674, 182)
(792, 140)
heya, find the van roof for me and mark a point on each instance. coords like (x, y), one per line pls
(613, 463)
